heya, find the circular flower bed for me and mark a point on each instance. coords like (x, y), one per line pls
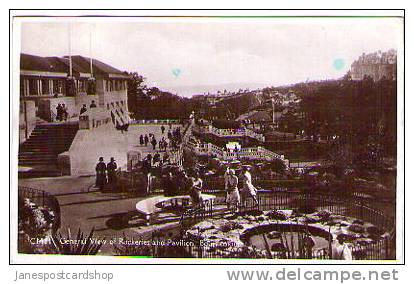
(225, 236)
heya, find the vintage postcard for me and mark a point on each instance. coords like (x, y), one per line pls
(270, 138)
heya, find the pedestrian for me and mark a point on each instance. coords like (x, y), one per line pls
(100, 174)
(169, 184)
(141, 140)
(111, 168)
(165, 158)
(195, 191)
(64, 112)
(146, 140)
(169, 135)
(146, 170)
(162, 129)
(59, 112)
(248, 188)
(153, 143)
(233, 197)
(92, 105)
(226, 183)
(341, 250)
(156, 159)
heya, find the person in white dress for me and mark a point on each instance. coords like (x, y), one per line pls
(226, 183)
(340, 250)
(249, 190)
(233, 195)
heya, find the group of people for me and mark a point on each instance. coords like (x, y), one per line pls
(232, 182)
(62, 112)
(84, 108)
(173, 140)
(106, 174)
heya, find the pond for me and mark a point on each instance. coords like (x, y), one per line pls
(278, 235)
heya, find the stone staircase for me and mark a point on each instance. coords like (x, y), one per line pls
(38, 154)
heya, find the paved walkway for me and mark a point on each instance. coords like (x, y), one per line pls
(107, 142)
(107, 213)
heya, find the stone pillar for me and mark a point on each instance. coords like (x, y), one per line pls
(50, 86)
(39, 86)
(100, 91)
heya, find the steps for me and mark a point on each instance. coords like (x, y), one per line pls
(40, 151)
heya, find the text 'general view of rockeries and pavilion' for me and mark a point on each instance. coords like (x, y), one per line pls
(111, 165)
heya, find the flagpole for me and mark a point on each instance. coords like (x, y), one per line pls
(90, 51)
(70, 51)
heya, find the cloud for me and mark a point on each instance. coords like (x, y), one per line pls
(218, 52)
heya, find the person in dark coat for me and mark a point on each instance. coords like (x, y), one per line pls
(111, 168)
(146, 170)
(146, 140)
(92, 105)
(162, 129)
(100, 174)
(59, 112)
(153, 143)
(141, 140)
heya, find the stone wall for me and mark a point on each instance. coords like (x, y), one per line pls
(27, 119)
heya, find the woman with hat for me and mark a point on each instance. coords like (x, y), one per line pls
(233, 195)
(100, 174)
(248, 188)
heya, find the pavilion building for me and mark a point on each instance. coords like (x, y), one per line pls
(46, 82)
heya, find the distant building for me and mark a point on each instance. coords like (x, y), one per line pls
(375, 65)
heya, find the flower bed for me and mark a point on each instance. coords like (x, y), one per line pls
(225, 236)
(34, 227)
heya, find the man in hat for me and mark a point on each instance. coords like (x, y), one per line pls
(111, 168)
(100, 174)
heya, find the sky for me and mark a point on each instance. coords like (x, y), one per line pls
(188, 56)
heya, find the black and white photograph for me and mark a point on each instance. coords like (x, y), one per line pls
(274, 138)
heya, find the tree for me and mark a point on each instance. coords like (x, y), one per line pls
(136, 90)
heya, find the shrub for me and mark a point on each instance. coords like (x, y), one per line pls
(324, 215)
(356, 228)
(230, 225)
(277, 215)
(80, 245)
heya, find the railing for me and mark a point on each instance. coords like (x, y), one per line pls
(44, 199)
(241, 132)
(155, 121)
(381, 249)
(209, 149)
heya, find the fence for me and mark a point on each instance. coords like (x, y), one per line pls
(156, 121)
(44, 199)
(251, 153)
(383, 248)
(241, 132)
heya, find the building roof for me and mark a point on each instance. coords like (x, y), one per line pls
(99, 68)
(37, 63)
(80, 65)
